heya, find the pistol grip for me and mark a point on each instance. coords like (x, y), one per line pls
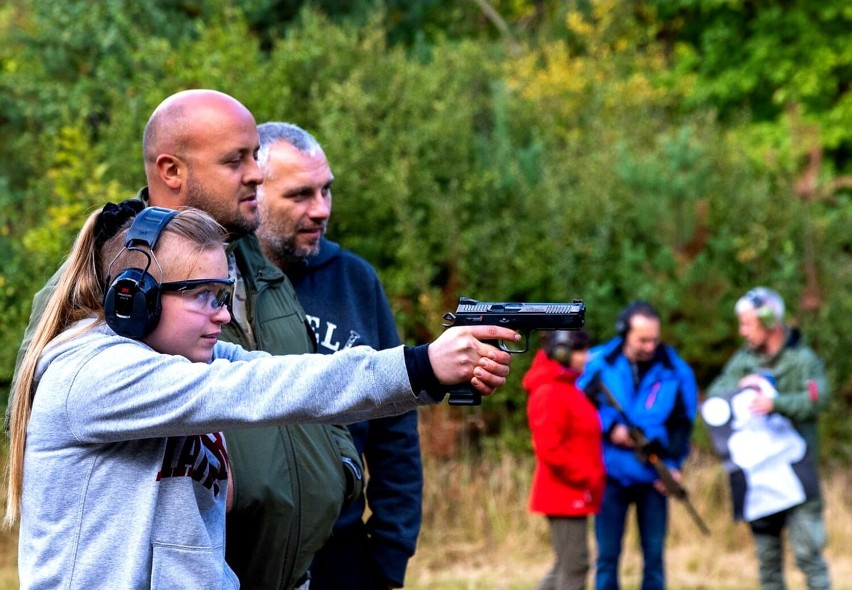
(461, 395)
(464, 394)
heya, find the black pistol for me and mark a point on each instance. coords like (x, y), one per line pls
(521, 317)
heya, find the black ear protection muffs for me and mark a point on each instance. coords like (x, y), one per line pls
(559, 347)
(622, 322)
(764, 313)
(132, 300)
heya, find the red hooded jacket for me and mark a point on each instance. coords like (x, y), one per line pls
(566, 434)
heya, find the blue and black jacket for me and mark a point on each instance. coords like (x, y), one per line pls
(662, 405)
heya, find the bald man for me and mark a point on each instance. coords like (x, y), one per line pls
(200, 149)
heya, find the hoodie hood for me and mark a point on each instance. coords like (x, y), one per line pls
(82, 332)
(328, 251)
(545, 371)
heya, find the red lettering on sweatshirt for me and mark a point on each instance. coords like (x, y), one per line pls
(203, 458)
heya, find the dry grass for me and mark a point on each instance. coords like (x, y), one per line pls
(478, 535)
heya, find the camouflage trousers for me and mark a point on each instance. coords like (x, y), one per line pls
(806, 534)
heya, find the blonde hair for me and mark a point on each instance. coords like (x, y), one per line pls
(79, 294)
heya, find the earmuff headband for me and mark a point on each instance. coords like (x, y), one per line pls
(148, 226)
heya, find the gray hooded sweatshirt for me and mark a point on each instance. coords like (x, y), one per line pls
(125, 469)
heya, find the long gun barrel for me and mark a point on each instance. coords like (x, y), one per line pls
(521, 317)
(645, 451)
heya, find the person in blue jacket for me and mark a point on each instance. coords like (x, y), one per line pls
(658, 394)
(346, 306)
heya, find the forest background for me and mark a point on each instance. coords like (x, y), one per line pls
(678, 151)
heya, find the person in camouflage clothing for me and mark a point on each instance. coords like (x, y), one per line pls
(789, 379)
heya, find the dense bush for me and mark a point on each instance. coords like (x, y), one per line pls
(573, 163)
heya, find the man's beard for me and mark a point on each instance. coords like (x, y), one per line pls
(758, 348)
(235, 224)
(284, 252)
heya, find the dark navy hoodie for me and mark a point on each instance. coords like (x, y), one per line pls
(346, 306)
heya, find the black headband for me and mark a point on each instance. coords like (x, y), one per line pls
(113, 217)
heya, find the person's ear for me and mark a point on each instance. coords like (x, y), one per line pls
(171, 170)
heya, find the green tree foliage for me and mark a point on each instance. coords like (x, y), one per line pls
(759, 57)
(587, 157)
(75, 185)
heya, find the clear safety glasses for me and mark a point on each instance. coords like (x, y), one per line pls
(203, 295)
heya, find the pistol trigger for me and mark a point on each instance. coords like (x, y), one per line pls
(502, 346)
(526, 342)
(449, 320)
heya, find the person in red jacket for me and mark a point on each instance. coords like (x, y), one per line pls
(569, 476)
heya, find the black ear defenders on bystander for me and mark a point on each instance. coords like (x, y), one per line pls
(622, 322)
(559, 346)
(765, 315)
(132, 300)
